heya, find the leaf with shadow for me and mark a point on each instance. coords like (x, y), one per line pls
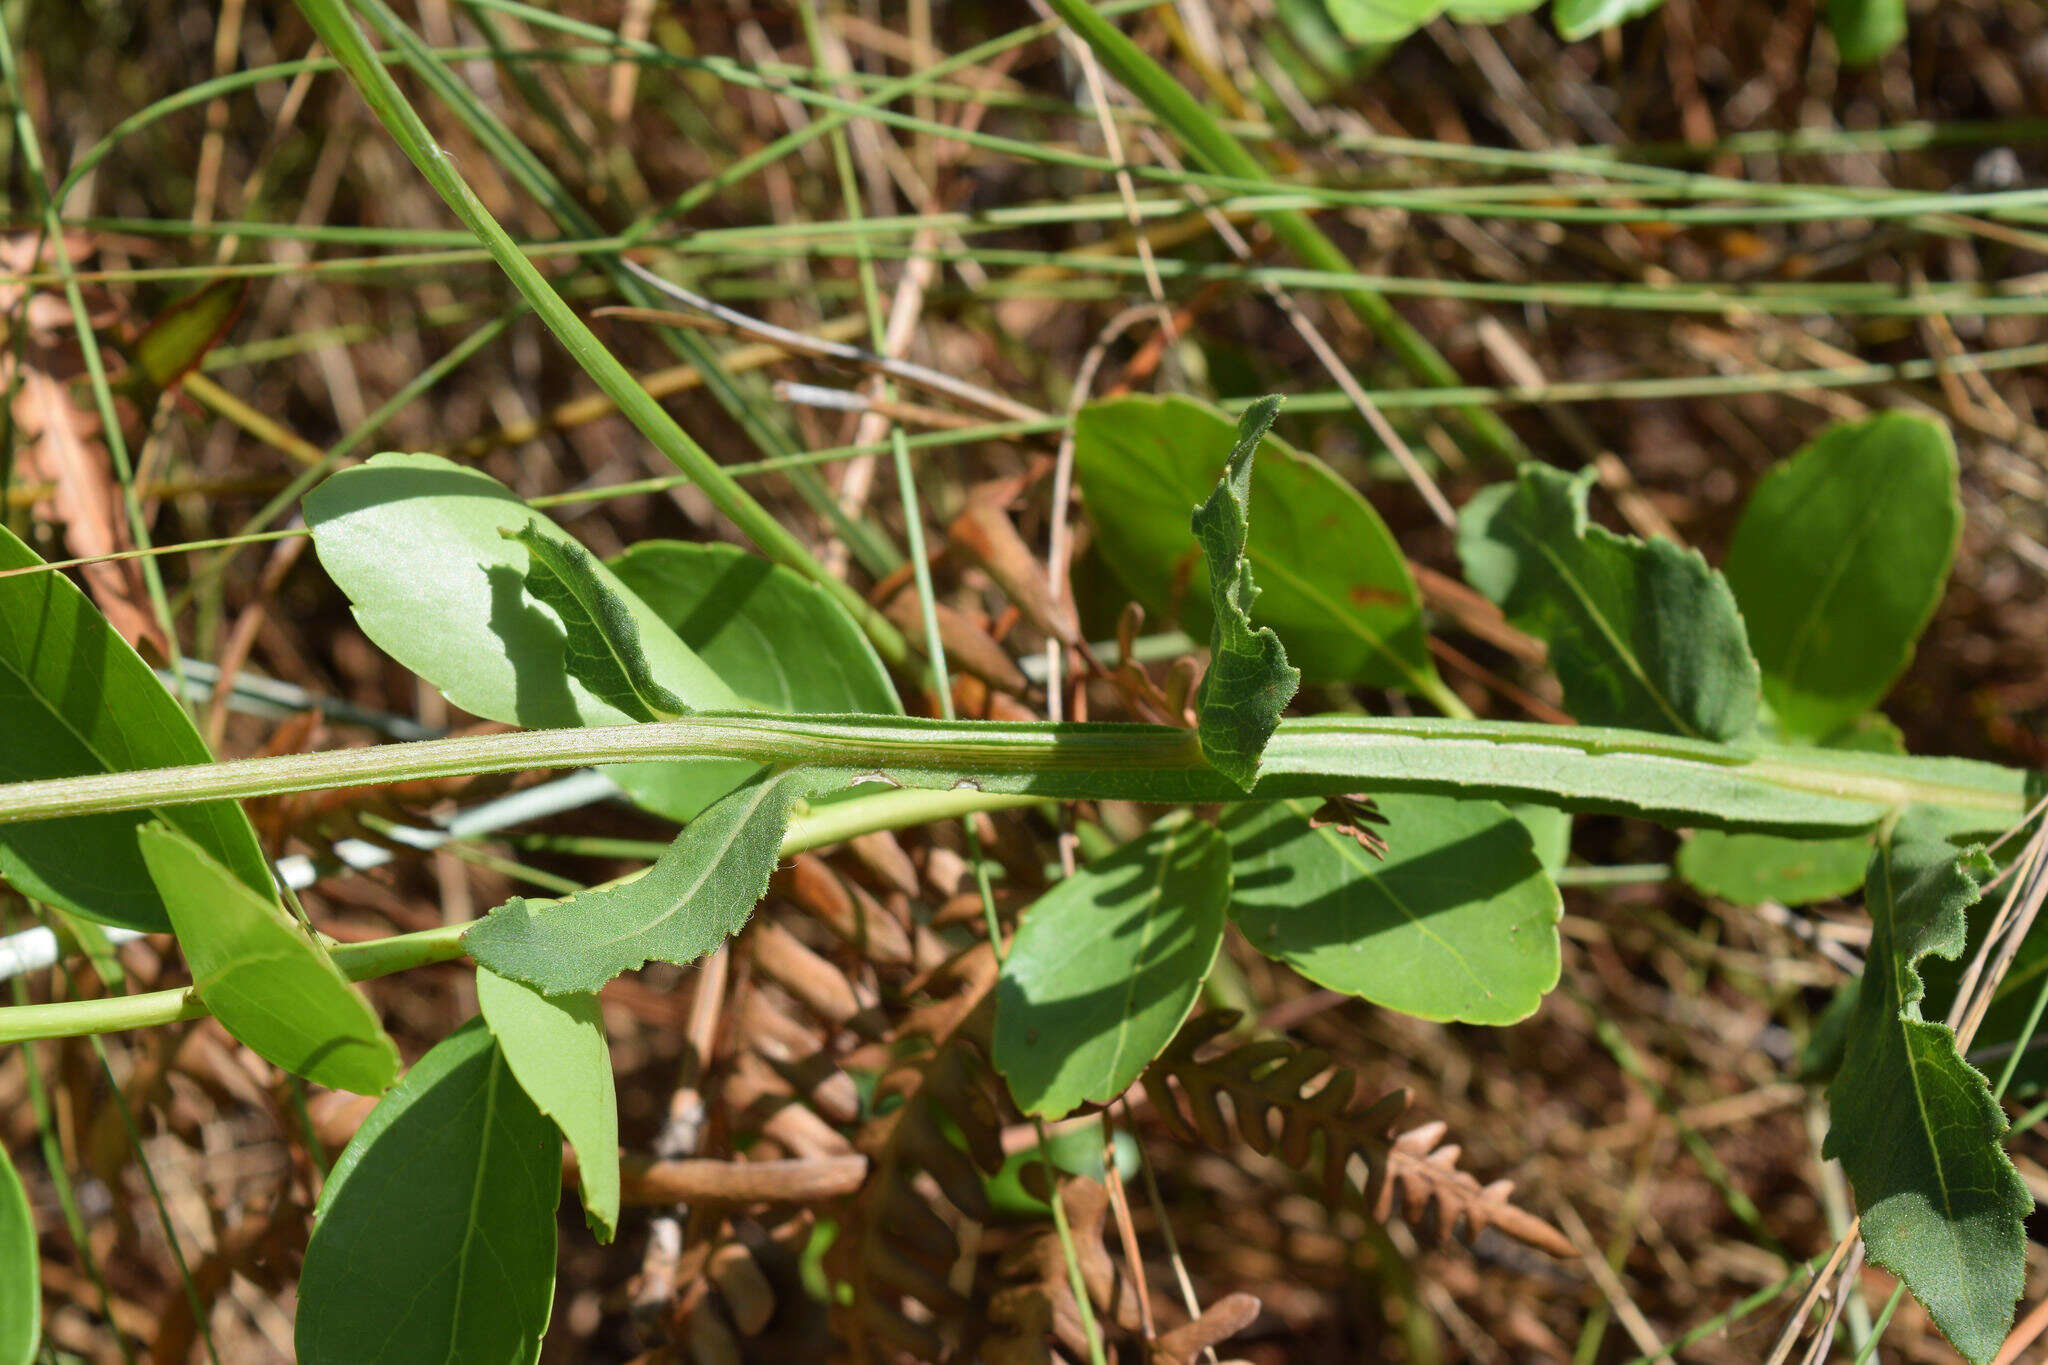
(417, 543)
(1107, 964)
(265, 977)
(779, 641)
(1458, 922)
(1642, 634)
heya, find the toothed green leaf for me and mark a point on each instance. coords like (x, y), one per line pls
(1249, 682)
(601, 643)
(695, 896)
(1914, 1125)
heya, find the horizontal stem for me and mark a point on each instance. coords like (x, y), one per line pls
(818, 828)
(1676, 781)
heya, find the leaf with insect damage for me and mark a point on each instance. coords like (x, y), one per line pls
(1249, 681)
(1642, 633)
(695, 896)
(1458, 921)
(1914, 1125)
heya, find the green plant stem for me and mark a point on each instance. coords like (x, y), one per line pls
(1686, 782)
(817, 828)
(1225, 155)
(337, 29)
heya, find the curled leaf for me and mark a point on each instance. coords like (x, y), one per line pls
(1249, 681)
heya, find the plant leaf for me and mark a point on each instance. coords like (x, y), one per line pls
(1487, 11)
(1576, 19)
(1642, 633)
(1349, 617)
(434, 1239)
(1914, 1125)
(1249, 681)
(85, 499)
(1458, 923)
(1106, 966)
(1381, 21)
(601, 640)
(1749, 869)
(1866, 29)
(179, 337)
(21, 1289)
(775, 638)
(1838, 563)
(415, 541)
(557, 1050)
(266, 980)
(695, 896)
(76, 699)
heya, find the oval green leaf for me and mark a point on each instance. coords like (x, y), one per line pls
(1576, 19)
(264, 978)
(1381, 21)
(1106, 966)
(1839, 561)
(1349, 616)
(417, 542)
(75, 699)
(557, 1049)
(21, 1289)
(1866, 29)
(434, 1239)
(777, 639)
(1458, 922)
(1749, 869)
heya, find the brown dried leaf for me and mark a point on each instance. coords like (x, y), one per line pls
(1219, 1322)
(1285, 1096)
(1353, 815)
(86, 501)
